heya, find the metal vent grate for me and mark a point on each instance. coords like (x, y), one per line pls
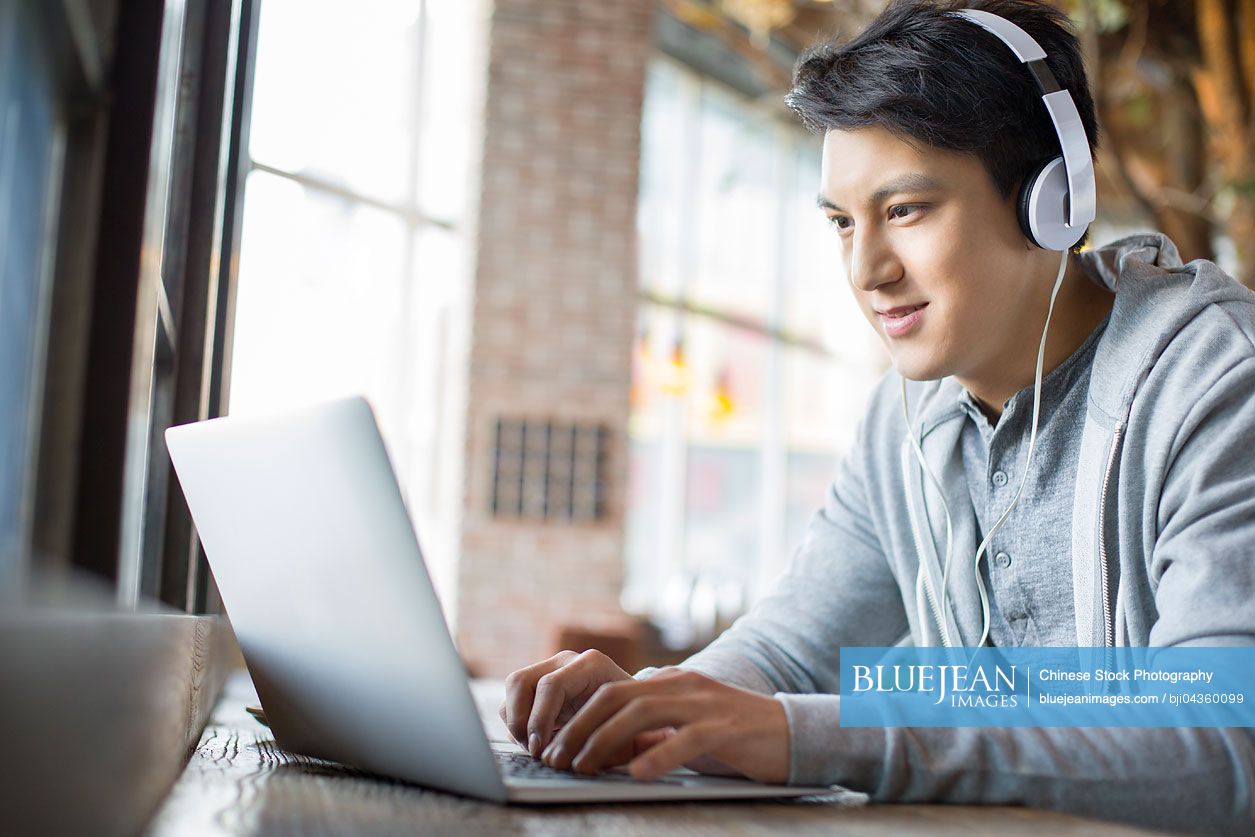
(547, 470)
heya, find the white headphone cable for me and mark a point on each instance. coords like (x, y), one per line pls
(943, 620)
(1032, 442)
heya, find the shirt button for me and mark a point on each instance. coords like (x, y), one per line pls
(1003, 560)
(1000, 478)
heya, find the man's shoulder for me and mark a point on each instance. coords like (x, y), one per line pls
(1183, 322)
(1214, 349)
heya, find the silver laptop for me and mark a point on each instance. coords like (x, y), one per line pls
(320, 572)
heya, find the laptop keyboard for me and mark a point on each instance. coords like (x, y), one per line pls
(523, 766)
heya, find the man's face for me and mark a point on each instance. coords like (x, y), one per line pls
(935, 256)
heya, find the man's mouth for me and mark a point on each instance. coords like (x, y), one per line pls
(901, 321)
(900, 311)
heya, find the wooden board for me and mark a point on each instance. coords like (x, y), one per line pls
(98, 712)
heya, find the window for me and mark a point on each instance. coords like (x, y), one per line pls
(117, 123)
(354, 257)
(753, 363)
(31, 138)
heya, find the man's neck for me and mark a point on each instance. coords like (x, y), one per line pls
(1080, 307)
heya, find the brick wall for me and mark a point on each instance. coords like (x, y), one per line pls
(554, 307)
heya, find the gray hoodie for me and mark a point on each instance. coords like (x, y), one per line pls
(1163, 553)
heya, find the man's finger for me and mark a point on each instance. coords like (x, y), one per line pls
(608, 700)
(643, 713)
(555, 697)
(520, 692)
(687, 744)
(650, 738)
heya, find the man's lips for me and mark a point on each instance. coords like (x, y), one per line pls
(901, 310)
(901, 320)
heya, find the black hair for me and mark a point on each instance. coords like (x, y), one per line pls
(931, 78)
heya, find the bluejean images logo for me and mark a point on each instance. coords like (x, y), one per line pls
(962, 685)
(1048, 687)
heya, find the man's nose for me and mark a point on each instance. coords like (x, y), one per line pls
(872, 262)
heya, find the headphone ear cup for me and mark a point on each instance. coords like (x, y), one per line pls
(1023, 200)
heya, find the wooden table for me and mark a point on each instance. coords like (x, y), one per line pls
(238, 781)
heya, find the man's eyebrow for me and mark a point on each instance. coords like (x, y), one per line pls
(910, 182)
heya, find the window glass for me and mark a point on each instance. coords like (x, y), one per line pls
(29, 139)
(753, 363)
(353, 265)
(316, 317)
(737, 200)
(334, 91)
(451, 96)
(665, 172)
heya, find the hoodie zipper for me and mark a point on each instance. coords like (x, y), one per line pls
(932, 603)
(1109, 624)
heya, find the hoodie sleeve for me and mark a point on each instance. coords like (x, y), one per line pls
(1184, 779)
(1203, 561)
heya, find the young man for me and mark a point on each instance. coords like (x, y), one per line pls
(1133, 523)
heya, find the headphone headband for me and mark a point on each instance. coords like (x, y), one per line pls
(1081, 191)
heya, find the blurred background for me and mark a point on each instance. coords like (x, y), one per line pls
(568, 250)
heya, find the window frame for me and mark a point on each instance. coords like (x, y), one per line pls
(145, 245)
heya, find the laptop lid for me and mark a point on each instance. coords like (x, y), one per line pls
(318, 565)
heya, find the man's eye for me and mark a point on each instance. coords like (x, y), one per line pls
(840, 222)
(902, 210)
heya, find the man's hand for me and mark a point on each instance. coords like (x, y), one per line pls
(544, 696)
(681, 717)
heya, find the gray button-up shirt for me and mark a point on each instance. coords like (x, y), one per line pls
(1032, 550)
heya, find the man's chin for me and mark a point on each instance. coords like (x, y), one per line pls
(919, 370)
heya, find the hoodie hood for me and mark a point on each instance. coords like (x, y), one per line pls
(1134, 253)
(1156, 297)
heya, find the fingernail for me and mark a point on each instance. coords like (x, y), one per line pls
(533, 744)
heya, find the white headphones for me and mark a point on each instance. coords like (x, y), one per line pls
(1057, 201)
(1056, 204)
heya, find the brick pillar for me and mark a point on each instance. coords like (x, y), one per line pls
(554, 308)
